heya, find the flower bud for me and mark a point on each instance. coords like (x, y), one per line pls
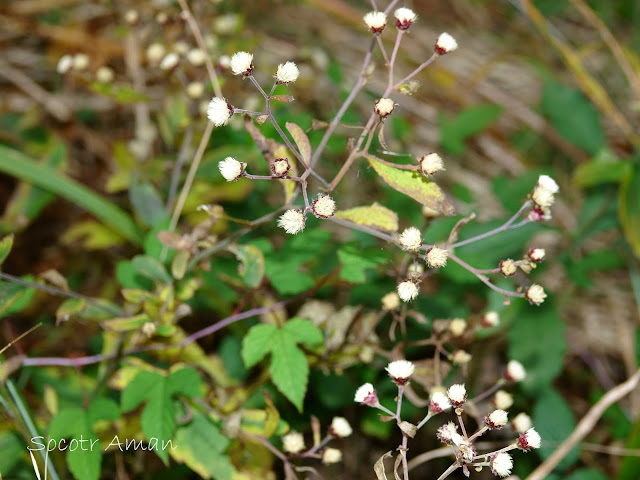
(231, 169)
(457, 394)
(80, 61)
(490, 319)
(404, 18)
(242, 63)
(391, 301)
(437, 257)
(431, 163)
(410, 239)
(400, 371)
(219, 111)
(331, 455)
(376, 21)
(169, 62)
(196, 57)
(457, 326)
(340, 427)
(536, 255)
(324, 206)
(104, 75)
(149, 329)
(407, 290)
(445, 44)
(65, 64)
(287, 73)
(460, 357)
(162, 18)
(384, 106)
(496, 419)
(529, 440)
(508, 267)
(195, 90)
(501, 464)
(131, 17)
(155, 52)
(280, 167)
(535, 294)
(514, 372)
(293, 221)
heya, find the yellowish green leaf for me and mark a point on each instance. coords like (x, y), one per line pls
(375, 215)
(629, 209)
(125, 324)
(302, 141)
(5, 247)
(179, 264)
(92, 236)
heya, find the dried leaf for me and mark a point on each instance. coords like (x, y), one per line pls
(379, 466)
(283, 98)
(55, 278)
(453, 236)
(302, 141)
(408, 429)
(375, 215)
(260, 119)
(396, 465)
(415, 185)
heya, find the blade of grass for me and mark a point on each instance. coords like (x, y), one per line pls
(22, 167)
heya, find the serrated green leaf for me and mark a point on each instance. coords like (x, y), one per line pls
(67, 423)
(126, 324)
(376, 216)
(147, 203)
(159, 418)
(289, 370)
(554, 422)
(150, 268)
(303, 331)
(471, 121)
(573, 116)
(184, 381)
(356, 261)
(415, 185)
(253, 265)
(102, 409)
(85, 464)
(629, 209)
(542, 360)
(200, 446)
(5, 247)
(302, 141)
(138, 389)
(12, 449)
(257, 343)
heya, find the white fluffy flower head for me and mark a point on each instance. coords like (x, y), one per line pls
(366, 394)
(503, 400)
(195, 90)
(457, 326)
(445, 44)
(331, 455)
(404, 18)
(104, 75)
(410, 239)
(340, 427)
(155, 52)
(324, 206)
(219, 111)
(287, 73)
(231, 169)
(457, 394)
(431, 163)
(400, 371)
(241, 63)
(548, 183)
(501, 464)
(490, 319)
(196, 57)
(521, 422)
(293, 442)
(293, 221)
(447, 432)
(508, 268)
(460, 357)
(529, 440)
(391, 301)
(439, 403)
(81, 61)
(407, 290)
(65, 64)
(536, 255)
(515, 372)
(384, 106)
(437, 257)
(280, 167)
(535, 294)
(376, 21)
(170, 61)
(496, 419)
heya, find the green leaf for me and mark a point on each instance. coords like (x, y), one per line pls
(471, 121)
(184, 381)
(123, 94)
(587, 474)
(253, 265)
(147, 203)
(356, 261)
(573, 116)
(257, 343)
(14, 298)
(159, 418)
(150, 268)
(200, 446)
(542, 360)
(24, 168)
(103, 409)
(581, 271)
(302, 141)
(126, 324)
(554, 422)
(415, 185)
(629, 209)
(603, 168)
(69, 307)
(85, 464)
(631, 464)
(180, 263)
(12, 449)
(303, 331)
(5, 247)
(375, 216)
(138, 389)
(289, 370)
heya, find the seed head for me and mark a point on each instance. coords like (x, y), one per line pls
(287, 73)
(219, 111)
(384, 106)
(280, 167)
(501, 464)
(331, 455)
(231, 169)
(437, 257)
(410, 239)
(404, 18)
(376, 21)
(431, 163)
(293, 221)
(324, 206)
(242, 63)
(407, 290)
(445, 44)
(293, 442)
(535, 294)
(508, 268)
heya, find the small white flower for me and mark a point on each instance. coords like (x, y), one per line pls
(460, 357)
(80, 61)
(515, 372)
(331, 455)
(196, 57)
(415, 270)
(366, 394)
(508, 268)
(162, 18)
(400, 371)
(241, 63)
(457, 326)
(293, 221)
(407, 290)
(490, 319)
(535, 294)
(404, 18)
(293, 442)
(224, 62)
(219, 111)
(231, 169)
(181, 47)
(536, 255)
(280, 167)
(287, 73)
(149, 329)
(104, 75)
(64, 64)
(446, 432)
(503, 400)
(521, 422)
(431, 163)
(445, 44)
(411, 239)
(391, 301)
(542, 197)
(437, 257)
(548, 183)
(340, 427)
(496, 419)
(529, 440)
(439, 403)
(501, 464)
(324, 206)
(457, 394)
(384, 106)
(169, 62)
(131, 17)
(155, 52)
(195, 90)
(376, 21)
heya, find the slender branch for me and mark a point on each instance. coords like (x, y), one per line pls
(20, 337)
(416, 71)
(483, 278)
(177, 168)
